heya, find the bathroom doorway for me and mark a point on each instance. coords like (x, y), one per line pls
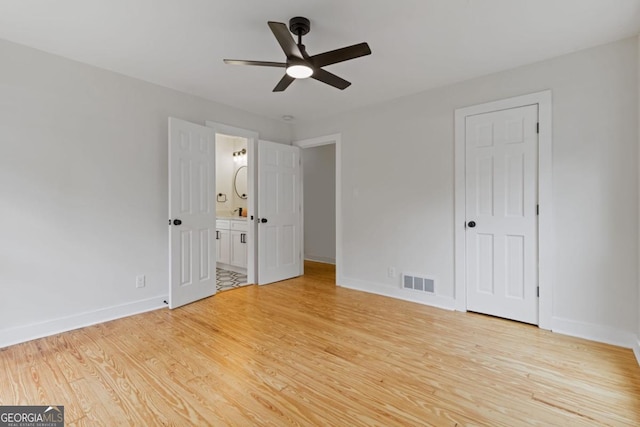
(235, 198)
(232, 196)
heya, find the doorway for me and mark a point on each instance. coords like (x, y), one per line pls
(503, 209)
(334, 140)
(232, 200)
(235, 233)
(319, 181)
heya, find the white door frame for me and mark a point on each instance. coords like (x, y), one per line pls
(252, 199)
(335, 138)
(546, 236)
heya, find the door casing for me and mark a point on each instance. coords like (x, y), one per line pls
(546, 243)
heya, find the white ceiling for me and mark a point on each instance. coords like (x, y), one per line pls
(417, 45)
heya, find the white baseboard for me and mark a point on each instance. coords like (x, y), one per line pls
(230, 267)
(321, 259)
(594, 332)
(30, 332)
(439, 301)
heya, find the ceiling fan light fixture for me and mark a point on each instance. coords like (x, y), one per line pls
(299, 71)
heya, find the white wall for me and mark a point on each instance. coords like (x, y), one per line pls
(224, 174)
(398, 181)
(83, 189)
(319, 166)
(226, 168)
(238, 202)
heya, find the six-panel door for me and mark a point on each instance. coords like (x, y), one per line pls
(501, 201)
(192, 212)
(279, 212)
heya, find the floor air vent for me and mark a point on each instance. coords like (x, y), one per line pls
(418, 283)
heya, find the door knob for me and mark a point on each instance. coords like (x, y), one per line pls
(263, 220)
(177, 222)
(471, 224)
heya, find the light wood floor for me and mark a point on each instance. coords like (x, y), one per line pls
(305, 352)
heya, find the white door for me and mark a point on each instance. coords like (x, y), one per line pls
(279, 212)
(501, 213)
(192, 232)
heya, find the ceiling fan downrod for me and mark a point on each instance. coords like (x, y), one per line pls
(299, 26)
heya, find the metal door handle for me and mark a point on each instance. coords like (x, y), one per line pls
(243, 238)
(471, 224)
(263, 220)
(177, 222)
(217, 235)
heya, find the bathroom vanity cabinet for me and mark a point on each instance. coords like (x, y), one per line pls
(231, 244)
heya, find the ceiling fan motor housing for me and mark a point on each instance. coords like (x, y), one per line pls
(299, 25)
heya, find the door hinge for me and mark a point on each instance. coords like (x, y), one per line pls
(538, 291)
(538, 127)
(537, 209)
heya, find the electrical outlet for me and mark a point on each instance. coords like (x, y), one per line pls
(140, 281)
(391, 272)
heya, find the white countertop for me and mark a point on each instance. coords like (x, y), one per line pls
(235, 218)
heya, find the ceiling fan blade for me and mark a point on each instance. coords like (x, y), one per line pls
(283, 83)
(260, 63)
(330, 79)
(285, 39)
(340, 55)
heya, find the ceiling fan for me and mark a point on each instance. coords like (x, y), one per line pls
(299, 64)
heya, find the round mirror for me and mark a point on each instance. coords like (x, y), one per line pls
(240, 182)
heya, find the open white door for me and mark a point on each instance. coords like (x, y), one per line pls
(279, 212)
(192, 228)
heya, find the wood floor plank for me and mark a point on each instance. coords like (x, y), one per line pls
(34, 378)
(306, 352)
(100, 405)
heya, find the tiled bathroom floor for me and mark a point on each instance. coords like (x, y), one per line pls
(226, 279)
